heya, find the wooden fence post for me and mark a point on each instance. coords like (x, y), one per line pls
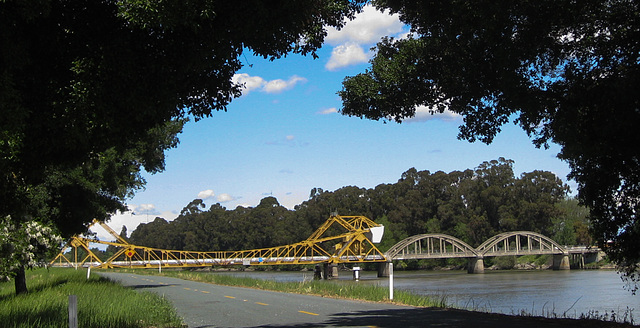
(73, 311)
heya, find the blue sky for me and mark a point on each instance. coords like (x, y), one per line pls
(284, 136)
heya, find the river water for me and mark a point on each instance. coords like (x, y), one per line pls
(538, 292)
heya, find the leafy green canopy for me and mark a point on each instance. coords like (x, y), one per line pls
(91, 92)
(472, 205)
(566, 71)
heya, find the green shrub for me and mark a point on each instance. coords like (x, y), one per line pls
(504, 262)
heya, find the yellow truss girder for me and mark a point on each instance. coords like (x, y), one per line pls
(351, 244)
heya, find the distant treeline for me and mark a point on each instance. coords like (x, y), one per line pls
(472, 205)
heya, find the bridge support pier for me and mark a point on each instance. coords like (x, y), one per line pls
(329, 271)
(317, 272)
(383, 269)
(561, 262)
(476, 265)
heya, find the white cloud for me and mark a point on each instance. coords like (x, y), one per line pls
(145, 209)
(206, 194)
(277, 86)
(223, 198)
(346, 55)
(252, 83)
(328, 111)
(290, 137)
(423, 114)
(366, 28)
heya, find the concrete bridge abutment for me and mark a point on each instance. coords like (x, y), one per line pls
(383, 269)
(561, 262)
(476, 265)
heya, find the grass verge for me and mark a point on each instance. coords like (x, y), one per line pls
(314, 287)
(101, 303)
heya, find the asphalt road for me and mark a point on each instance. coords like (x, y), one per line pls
(205, 305)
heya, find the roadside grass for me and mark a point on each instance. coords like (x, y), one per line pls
(101, 303)
(322, 288)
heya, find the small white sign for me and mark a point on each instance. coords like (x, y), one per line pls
(376, 234)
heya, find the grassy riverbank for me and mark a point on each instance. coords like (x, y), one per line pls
(101, 303)
(313, 287)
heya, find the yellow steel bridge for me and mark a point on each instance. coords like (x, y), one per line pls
(340, 239)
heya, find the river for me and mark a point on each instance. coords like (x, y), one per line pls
(538, 292)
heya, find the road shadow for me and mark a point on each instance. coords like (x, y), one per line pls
(148, 286)
(44, 316)
(136, 286)
(37, 288)
(437, 317)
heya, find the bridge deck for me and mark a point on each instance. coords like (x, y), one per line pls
(353, 245)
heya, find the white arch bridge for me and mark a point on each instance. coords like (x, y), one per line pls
(439, 246)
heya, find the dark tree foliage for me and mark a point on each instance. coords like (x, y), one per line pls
(91, 92)
(566, 71)
(462, 204)
(266, 225)
(157, 233)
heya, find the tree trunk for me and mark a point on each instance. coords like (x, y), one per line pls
(21, 281)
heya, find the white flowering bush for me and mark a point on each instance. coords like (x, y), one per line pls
(26, 244)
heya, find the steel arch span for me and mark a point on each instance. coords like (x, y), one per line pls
(430, 246)
(519, 243)
(434, 246)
